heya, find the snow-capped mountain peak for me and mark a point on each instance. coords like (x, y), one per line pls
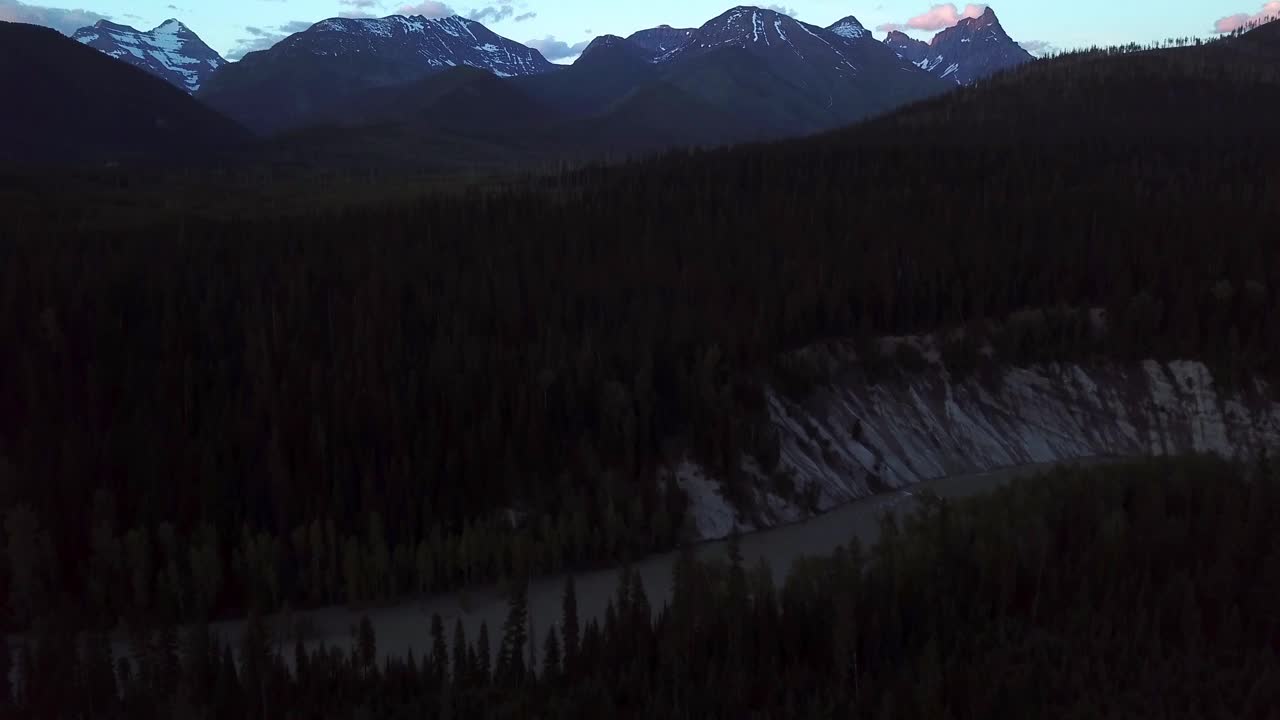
(761, 30)
(172, 26)
(849, 28)
(170, 51)
(428, 42)
(968, 51)
(283, 87)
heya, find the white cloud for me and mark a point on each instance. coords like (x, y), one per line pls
(264, 38)
(427, 8)
(492, 13)
(553, 49)
(359, 8)
(64, 21)
(1039, 48)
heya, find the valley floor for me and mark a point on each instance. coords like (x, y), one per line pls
(406, 626)
(860, 449)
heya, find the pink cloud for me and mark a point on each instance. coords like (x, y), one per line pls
(938, 17)
(1231, 23)
(428, 8)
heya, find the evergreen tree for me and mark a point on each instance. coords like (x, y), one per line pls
(551, 656)
(511, 666)
(569, 621)
(125, 678)
(301, 664)
(28, 555)
(6, 667)
(639, 601)
(198, 663)
(168, 667)
(462, 670)
(367, 645)
(229, 694)
(439, 649)
(255, 664)
(483, 657)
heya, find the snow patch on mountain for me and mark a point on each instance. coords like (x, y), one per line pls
(428, 42)
(849, 28)
(767, 31)
(170, 51)
(974, 48)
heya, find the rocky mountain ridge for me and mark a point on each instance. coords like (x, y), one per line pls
(848, 439)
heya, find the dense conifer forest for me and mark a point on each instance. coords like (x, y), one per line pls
(206, 413)
(1140, 590)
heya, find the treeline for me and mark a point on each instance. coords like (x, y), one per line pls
(210, 414)
(1169, 43)
(1157, 96)
(1119, 591)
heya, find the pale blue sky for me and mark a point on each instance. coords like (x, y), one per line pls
(230, 24)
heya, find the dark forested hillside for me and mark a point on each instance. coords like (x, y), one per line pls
(348, 403)
(66, 103)
(1157, 95)
(1127, 591)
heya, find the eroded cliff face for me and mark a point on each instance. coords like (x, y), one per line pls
(847, 438)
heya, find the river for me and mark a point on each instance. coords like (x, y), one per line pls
(406, 626)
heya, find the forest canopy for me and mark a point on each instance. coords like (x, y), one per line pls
(1144, 589)
(206, 412)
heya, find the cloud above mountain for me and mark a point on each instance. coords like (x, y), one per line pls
(938, 17)
(1039, 48)
(64, 21)
(1231, 23)
(492, 13)
(359, 8)
(553, 49)
(427, 8)
(260, 38)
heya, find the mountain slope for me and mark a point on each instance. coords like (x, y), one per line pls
(608, 70)
(828, 78)
(907, 47)
(307, 72)
(462, 99)
(972, 49)
(662, 39)
(665, 114)
(936, 424)
(87, 107)
(170, 51)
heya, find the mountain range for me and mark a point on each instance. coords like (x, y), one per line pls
(411, 85)
(170, 51)
(757, 72)
(308, 72)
